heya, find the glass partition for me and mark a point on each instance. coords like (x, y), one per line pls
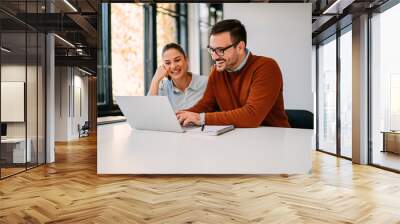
(22, 76)
(327, 96)
(13, 109)
(41, 97)
(31, 97)
(346, 94)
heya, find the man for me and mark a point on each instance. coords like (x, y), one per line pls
(243, 89)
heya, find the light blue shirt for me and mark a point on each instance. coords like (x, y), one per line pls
(186, 99)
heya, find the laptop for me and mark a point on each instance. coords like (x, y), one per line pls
(153, 113)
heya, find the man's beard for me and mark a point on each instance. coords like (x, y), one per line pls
(218, 66)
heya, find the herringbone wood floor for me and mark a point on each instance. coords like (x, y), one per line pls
(70, 191)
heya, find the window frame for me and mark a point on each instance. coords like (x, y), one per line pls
(333, 37)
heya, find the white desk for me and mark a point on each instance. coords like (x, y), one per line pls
(265, 150)
(18, 150)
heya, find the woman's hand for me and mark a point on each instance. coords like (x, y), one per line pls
(161, 72)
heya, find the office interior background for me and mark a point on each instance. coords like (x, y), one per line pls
(58, 59)
(48, 80)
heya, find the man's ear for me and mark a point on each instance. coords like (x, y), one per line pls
(242, 46)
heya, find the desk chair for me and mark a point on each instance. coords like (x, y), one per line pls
(300, 119)
(84, 130)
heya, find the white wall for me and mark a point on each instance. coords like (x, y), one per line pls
(17, 73)
(14, 73)
(71, 87)
(12, 101)
(314, 90)
(282, 32)
(79, 117)
(33, 126)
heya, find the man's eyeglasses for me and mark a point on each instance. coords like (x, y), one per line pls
(220, 51)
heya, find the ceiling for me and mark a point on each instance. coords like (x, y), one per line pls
(76, 22)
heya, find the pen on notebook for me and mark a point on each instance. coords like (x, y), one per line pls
(202, 127)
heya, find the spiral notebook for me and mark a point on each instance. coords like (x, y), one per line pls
(212, 129)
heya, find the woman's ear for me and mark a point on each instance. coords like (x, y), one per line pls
(187, 62)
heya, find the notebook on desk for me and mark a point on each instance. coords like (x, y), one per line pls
(212, 129)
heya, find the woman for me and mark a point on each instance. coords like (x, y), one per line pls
(172, 79)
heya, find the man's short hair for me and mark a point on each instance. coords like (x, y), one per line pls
(234, 27)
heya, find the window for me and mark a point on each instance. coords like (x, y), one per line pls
(166, 27)
(132, 37)
(127, 49)
(327, 96)
(334, 102)
(209, 15)
(394, 101)
(385, 88)
(346, 93)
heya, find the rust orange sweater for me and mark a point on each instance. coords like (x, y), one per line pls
(247, 98)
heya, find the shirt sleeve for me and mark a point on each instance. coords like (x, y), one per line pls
(263, 93)
(162, 88)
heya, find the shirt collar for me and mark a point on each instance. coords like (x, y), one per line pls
(192, 86)
(241, 64)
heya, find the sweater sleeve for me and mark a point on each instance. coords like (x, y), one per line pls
(208, 102)
(264, 91)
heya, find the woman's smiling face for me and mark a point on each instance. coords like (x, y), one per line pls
(175, 63)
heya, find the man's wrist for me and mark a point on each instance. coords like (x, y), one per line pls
(202, 118)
